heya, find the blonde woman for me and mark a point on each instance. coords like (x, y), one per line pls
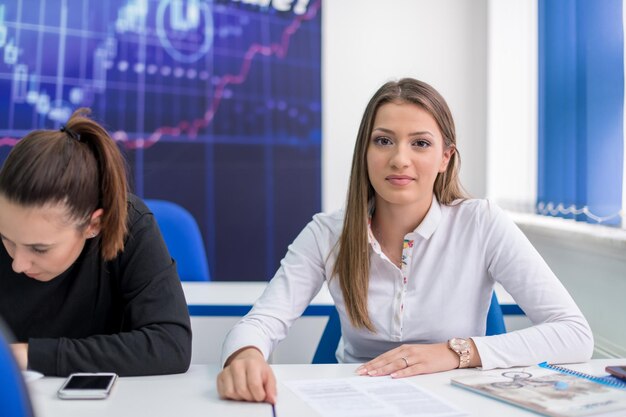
(411, 264)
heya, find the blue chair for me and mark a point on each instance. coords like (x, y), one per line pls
(14, 399)
(183, 239)
(495, 318)
(327, 346)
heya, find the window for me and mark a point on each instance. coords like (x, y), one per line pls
(581, 110)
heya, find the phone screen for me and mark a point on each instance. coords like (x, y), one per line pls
(90, 382)
(87, 386)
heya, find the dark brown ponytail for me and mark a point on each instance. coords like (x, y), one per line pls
(79, 166)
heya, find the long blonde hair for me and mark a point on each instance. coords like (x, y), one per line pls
(353, 259)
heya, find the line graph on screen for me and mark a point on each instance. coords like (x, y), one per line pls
(142, 48)
(216, 104)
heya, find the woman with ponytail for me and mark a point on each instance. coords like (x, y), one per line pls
(86, 281)
(410, 263)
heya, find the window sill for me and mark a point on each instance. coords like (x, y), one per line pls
(603, 240)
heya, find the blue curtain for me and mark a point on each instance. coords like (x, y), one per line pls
(581, 99)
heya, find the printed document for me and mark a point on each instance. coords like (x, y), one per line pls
(365, 397)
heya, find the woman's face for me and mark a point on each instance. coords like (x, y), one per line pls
(41, 241)
(405, 153)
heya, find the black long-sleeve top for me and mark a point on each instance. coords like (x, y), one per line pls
(127, 315)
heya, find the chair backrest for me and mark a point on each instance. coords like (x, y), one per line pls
(327, 346)
(183, 239)
(495, 318)
(14, 399)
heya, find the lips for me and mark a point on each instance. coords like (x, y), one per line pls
(399, 180)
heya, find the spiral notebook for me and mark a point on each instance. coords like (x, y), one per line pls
(551, 390)
(608, 380)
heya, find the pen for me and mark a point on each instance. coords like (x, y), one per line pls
(273, 410)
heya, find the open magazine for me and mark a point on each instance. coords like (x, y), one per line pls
(551, 391)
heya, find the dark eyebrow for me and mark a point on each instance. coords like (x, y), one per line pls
(382, 129)
(391, 132)
(423, 132)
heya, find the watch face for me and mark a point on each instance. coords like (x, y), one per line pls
(459, 344)
(462, 348)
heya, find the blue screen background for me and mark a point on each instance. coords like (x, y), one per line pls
(216, 105)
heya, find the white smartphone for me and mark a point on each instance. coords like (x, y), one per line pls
(87, 386)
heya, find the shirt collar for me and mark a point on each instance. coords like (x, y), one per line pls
(425, 229)
(430, 222)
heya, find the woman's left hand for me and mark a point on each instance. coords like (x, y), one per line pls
(409, 360)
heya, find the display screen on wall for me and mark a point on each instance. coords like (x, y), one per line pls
(216, 105)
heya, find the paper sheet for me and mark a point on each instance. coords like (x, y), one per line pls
(362, 397)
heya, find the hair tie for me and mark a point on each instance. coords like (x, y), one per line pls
(70, 132)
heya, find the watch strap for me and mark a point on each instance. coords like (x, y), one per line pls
(462, 348)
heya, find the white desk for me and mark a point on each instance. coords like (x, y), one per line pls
(194, 394)
(228, 298)
(210, 297)
(215, 307)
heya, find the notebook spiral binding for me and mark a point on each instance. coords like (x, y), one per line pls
(604, 380)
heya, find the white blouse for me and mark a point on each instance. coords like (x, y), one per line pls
(443, 290)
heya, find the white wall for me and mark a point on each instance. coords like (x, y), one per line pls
(590, 261)
(368, 42)
(512, 103)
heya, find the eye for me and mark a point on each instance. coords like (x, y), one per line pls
(421, 143)
(382, 141)
(39, 251)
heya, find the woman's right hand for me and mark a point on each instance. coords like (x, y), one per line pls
(247, 377)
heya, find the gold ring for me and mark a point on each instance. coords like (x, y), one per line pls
(406, 362)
